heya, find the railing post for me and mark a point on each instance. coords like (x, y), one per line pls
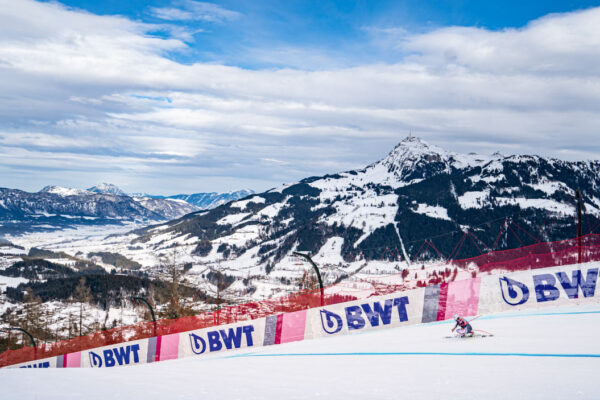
(579, 201)
(307, 258)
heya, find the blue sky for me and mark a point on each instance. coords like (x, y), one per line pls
(344, 30)
(185, 96)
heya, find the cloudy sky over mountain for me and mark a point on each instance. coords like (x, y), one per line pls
(186, 96)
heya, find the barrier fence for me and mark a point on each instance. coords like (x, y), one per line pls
(291, 311)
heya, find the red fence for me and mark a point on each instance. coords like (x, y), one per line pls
(540, 255)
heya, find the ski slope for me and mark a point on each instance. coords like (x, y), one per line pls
(552, 353)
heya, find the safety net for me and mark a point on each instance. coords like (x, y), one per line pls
(541, 255)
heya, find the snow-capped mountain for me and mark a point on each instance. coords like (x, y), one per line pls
(63, 191)
(168, 208)
(56, 207)
(417, 192)
(207, 201)
(107, 188)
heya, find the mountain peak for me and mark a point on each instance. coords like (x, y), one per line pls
(412, 150)
(62, 191)
(416, 145)
(107, 188)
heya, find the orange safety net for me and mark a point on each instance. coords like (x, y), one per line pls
(540, 255)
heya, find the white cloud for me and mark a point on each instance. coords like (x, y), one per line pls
(74, 82)
(557, 44)
(189, 10)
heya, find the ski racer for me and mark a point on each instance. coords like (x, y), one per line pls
(465, 328)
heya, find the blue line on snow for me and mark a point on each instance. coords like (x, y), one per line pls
(260, 353)
(425, 353)
(538, 314)
(510, 315)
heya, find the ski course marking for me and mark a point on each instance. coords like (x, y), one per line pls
(511, 315)
(263, 353)
(416, 353)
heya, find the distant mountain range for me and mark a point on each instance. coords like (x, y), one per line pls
(107, 188)
(207, 201)
(56, 207)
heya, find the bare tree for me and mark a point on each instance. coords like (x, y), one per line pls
(175, 271)
(9, 340)
(82, 295)
(220, 287)
(308, 281)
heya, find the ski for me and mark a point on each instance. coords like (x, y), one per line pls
(476, 335)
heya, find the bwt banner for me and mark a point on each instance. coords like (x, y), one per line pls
(393, 310)
(128, 353)
(218, 339)
(554, 286)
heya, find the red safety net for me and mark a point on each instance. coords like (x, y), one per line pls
(540, 255)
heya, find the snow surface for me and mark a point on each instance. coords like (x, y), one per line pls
(474, 199)
(232, 219)
(107, 188)
(10, 281)
(64, 191)
(13, 251)
(367, 213)
(519, 362)
(433, 211)
(243, 203)
(544, 204)
(549, 188)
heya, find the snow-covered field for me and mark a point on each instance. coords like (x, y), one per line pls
(548, 354)
(9, 281)
(85, 239)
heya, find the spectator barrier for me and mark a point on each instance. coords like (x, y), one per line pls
(496, 287)
(554, 286)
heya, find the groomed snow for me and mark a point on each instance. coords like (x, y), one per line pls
(520, 362)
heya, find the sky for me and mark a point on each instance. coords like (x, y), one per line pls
(184, 96)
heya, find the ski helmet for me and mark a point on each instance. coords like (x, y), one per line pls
(456, 317)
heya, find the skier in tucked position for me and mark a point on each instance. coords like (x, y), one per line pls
(465, 328)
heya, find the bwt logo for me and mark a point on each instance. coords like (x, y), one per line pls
(118, 356)
(232, 338)
(38, 365)
(356, 315)
(513, 292)
(547, 289)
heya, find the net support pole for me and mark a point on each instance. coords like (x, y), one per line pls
(307, 258)
(149, 308)
(578, 194)
(30, 338)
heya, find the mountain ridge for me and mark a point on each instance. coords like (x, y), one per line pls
(415, 192)
(56, 207)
